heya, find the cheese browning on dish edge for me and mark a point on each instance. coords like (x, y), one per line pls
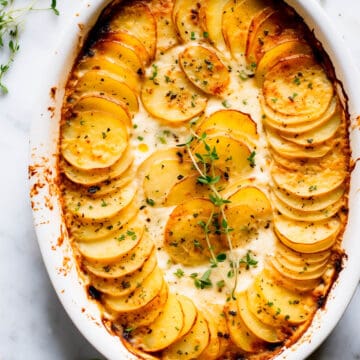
(204, 171)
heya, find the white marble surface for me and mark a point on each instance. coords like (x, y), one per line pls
(33, 324)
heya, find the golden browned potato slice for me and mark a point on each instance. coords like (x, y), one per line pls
(317, 135)
(102, 103)
(185, 239)
(190, 314)
(170, 96)
(290, 150)
(115, 246)
(164, 330)
(307, 237)
(212, 350)
(236, 20)
(204, 69)
(299, 215)
(239, 333)
(192, 344)
(280, 305)
(126, 284)
(133, 43)
(263, 331)
(146, 292)
(102, 208)
(232, 122)
(162, 176)
(93, 139)
(189, 187)
(233, 154)
(298, 258)
(314, 203)
(165, 27)
(211, 21)
(100, 82)
(302, 273)
(127, 264)
(307, 181)
(116, 71)
(291, 284)
(95, 176)
(298, 86)
(97, 229)
(120, 54)
(136, 19)
(108, 186)
(147, 314)
(284, 47)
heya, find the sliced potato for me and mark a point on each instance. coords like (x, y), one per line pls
(236, 20)
(289, 149)
(264, 25)
(102, 208)
(120, 54)
(162, 176)
(186, 19)
(211, 21)
(298, 86)
(116, 71)
(296, 124)
(84, 230)
(314, 203)
(115, 246)
(147, 314)
(232, 122)
(165, 27)
(190, 314)
(317, 135)
(100, 82)
(204, 69)
(212, 349)
(102, 103)
(305, 273)
(239, 333)
(280, 305)
(95, 176)
(308, 181)
(133, 43)
(93, 139)
(284, 46)
(164, 330)
(127, 264)
(126, 284)
(171, 96)
(137, 19)
(146, 292)
(233, 154)
(263, 331)
(109, 186)
(307, 237)
(299, 215)
(185, 239)
(192, 344)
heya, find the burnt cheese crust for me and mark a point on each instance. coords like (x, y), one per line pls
(193, 132)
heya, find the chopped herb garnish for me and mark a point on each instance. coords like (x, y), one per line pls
(312, 188)
(225, 104)
(179, 273)
(251, 159)
(150, 202)
(248, 261)
(205, 34)
(192, 35)
(154, 73)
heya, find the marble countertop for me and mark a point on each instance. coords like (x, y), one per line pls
(33, 323)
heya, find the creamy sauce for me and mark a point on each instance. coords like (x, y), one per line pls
(150, 134)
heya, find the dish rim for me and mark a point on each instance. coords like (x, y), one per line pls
(47, 215)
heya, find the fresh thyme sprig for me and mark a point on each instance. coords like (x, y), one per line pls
(208, 177)
(11, 20)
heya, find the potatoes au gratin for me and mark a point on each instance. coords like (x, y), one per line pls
(204, 169)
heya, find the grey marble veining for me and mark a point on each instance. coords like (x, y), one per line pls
(33, 325)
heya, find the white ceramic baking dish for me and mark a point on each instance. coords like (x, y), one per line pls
(47, 210)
